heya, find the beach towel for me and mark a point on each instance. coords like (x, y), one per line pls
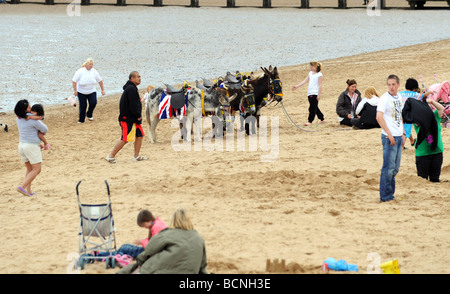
(166, 110)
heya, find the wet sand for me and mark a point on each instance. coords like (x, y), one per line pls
(319, 199)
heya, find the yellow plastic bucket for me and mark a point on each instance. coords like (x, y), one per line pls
(390, 267)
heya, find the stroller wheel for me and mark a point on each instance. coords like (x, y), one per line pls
(110, 262)
(82, 263)
(75, 264)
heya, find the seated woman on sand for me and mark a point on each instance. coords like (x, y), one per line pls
(347, 103)
(178, 249)
(366, 112)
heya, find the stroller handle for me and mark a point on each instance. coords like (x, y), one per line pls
(107, 189)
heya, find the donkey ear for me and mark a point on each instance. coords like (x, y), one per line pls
(270, 68)
(264, 70)
(275, 73)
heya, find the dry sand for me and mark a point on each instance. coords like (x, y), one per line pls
(319, 199)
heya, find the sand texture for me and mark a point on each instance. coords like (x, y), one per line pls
(318, 199)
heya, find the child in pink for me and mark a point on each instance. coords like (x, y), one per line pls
(154, 225)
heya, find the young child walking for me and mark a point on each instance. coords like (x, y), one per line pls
(37, 113)
(314, 78)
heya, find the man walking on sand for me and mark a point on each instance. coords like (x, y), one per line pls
(389, 117)
(130, 119)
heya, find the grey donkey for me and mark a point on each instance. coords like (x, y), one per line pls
(214, 102)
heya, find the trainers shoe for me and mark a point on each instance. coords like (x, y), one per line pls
(110, 159)
(139, 158)
(90, 118)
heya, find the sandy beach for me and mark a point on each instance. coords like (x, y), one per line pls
(318, 198)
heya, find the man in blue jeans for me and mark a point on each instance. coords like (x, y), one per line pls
(389, 117)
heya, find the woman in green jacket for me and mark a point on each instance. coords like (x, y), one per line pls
(429, 161)
(178, 249)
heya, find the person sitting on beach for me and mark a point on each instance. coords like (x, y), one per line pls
(347, 103)
(178, 249)
(37, 113)
(366, 112)
(145, 219)
(412, 91)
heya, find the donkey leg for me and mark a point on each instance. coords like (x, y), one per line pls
(197, 127)
(154, 123)
(242, 120)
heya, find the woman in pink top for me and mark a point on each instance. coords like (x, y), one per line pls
(145, 219)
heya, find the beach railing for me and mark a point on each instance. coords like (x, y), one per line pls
(380, 4)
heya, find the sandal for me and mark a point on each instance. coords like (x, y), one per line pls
(110, 159)
(22, 190)
(47, 147)
(139, 158)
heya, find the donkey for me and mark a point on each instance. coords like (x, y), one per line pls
(257, 88)
(212, 102)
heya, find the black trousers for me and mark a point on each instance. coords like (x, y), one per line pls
(429, 167)
(347, 122)
(314, 109)
(83, 104)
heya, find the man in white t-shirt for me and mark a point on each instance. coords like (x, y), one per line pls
(389, 117)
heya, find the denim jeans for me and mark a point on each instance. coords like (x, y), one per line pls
(83, 101)
(391, 164)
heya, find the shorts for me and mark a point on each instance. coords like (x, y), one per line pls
(130, 131)
(30, 152)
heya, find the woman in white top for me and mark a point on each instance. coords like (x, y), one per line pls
(314, 78)
(84, 84)
(366, 114)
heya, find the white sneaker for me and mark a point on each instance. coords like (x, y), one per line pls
(110, 159)
(139, 158)
(90, 118)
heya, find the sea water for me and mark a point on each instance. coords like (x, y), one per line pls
(39, 53)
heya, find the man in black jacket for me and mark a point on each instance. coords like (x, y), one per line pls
(130, 119)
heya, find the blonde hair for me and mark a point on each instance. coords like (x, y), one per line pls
(316, 64)
(89, 60)
(370, 92)
(181, 220)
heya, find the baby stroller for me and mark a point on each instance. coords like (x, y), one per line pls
(96, 233)
(440, 92)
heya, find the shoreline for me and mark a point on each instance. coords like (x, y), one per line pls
(142, 88)
(169, 67)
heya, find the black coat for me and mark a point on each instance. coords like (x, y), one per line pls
(130, 104)
(369, 116)
(419, 112)
(344, 103)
